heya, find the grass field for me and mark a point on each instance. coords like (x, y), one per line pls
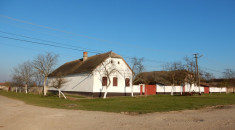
(139, 104)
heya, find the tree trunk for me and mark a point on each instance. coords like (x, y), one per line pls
(190, 87)
(132, 91)
(105, 93)
(39, 90)
(106, 88)
(172, 93)
(26, 87)
(199, 89)
(59, 92)
(45, 87)
(181, 90)
(164, 89)
(62, 94)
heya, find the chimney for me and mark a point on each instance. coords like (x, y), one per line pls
(84, 56)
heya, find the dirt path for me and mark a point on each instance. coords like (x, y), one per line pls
(15, 114)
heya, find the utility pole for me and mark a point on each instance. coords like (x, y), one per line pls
(197, 71)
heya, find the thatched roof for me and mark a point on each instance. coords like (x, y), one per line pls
(222, 82)
(164, 78)
(160, 77)
(80, 66)
(204, 84)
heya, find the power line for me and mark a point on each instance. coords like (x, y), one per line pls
(49, 41)
(30, 29)
(213, 70)
(46, 44)
(82, 49)
(46, 27)
(145, 60)
(75, 34)
(71, 46)
(34, 49)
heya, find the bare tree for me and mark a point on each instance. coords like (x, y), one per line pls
(206, 76)
(44, 64)
(137, 67)
(190, 68)
(17, 82)
(38, 79)
(24, 72)
(229, 76)
(175, 72)
(106, 71)
(57, 83)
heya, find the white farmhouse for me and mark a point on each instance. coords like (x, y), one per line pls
(88, 76)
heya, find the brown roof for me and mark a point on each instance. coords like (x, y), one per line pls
(222, 82)
(2, 84)
(80, 66)
(160, 77)
(204, 84)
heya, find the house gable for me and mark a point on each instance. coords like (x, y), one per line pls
(87, 66)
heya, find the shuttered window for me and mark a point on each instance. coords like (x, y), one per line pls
(127, 82)
(104, 81)
(115, 81)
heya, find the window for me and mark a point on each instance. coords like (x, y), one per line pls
(127, 82)
(118, 62)
(115, 81)
(104, 81)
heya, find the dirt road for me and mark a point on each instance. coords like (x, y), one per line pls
(16, 114)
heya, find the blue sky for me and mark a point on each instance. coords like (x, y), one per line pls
(160, 31)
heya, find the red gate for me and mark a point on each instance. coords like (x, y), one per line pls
(150, 89)
(206, 90)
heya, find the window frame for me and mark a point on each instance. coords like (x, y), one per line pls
(104, 81)
(115, 80)
(127, 82)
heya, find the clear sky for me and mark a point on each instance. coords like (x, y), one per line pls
(161, 31)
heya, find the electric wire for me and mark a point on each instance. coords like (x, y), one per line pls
(94, 38)
(49, 41)
(46, 44)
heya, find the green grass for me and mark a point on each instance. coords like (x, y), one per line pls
(156, 103)
(74, 96)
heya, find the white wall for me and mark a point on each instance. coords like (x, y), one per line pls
(77, 82)
(162, 88)
(123, 72)
(193, 88)
(168, 89)
(217, 90)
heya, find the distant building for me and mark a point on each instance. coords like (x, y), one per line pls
(163, 83)
(3, 86)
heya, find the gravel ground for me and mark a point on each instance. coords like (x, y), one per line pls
(16, 114)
